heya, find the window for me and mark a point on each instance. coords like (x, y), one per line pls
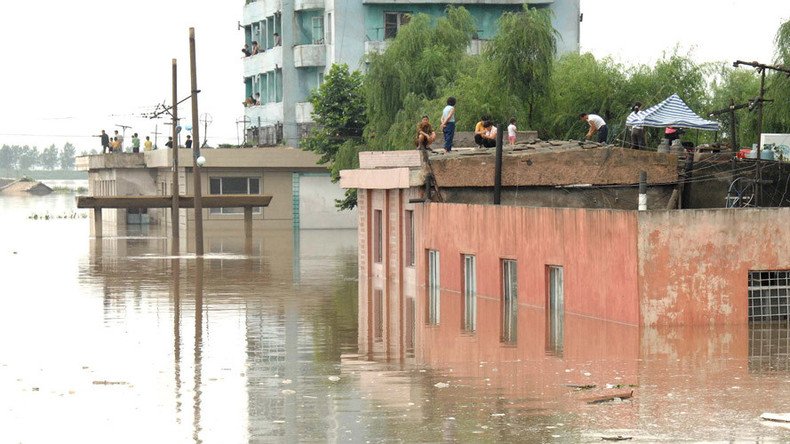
(247, 87)
(410, 238)
(278, 85)
(556, 310)
(328, 27)
(769, 295)
(377, 236)
(393, 21)
(411, 319)
(470, 293)
(378, 315)
(318, 30)
(433, 287)
(509, 301)
(233, 185)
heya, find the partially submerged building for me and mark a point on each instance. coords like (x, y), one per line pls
(303, 195)
(567, 239)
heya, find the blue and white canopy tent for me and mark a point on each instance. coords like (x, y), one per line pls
(671, 112)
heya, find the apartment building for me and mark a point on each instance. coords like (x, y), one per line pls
(300, 39)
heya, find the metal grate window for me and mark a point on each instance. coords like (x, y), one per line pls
(768, 295)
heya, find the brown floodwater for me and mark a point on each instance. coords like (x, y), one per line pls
(118, 341)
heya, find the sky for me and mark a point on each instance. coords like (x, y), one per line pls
(72, 68)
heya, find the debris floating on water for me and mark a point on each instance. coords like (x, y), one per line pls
(778, 417)
(441, 385)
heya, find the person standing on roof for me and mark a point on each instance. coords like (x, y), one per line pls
(638, 140)
(448, 124)
(597, 125)
(105, 142)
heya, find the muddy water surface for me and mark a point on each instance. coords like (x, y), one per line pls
(118, 341)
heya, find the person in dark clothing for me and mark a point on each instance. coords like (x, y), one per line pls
(105, 142)
(188, 143)
(169, 143)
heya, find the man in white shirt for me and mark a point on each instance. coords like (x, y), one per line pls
(597, 125)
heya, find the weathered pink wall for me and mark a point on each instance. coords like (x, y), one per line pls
(694, 264)
(391, 276)
(597, 249)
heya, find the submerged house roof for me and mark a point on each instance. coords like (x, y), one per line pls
(23, 186)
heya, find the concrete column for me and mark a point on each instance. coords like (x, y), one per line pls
(289, 79)
(248, 230)
(97, 223)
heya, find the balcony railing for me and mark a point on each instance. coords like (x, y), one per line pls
(475, 47)
(302, 5)
(309, 55)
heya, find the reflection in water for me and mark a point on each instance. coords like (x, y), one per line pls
(198, 345)
(175, 273)
(285, 349)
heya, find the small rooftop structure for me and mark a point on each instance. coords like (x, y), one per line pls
(23, 186)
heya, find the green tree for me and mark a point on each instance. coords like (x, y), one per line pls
(739, 86)
(418, 65)
(581, 83)
(8, 158)
(777, 113)
(340, 118)
(521, 56)
(67, 156)
(28, 158)
(49, 158)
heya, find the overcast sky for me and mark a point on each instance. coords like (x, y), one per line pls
(71, 68)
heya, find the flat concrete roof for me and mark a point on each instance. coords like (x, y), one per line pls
(281, 158)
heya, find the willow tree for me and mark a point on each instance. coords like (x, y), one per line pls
(581, 83)
(778, 112)
(419, 63)
(522, 54)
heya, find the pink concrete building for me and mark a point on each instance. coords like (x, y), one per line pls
(477, 267)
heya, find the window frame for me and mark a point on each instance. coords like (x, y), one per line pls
(226, 210)
(433, 275)
(469, 321)
(509, 322)
(378, 236)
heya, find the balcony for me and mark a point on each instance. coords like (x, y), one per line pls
(255, 11)
(379, 46)
(263, 62)
(304, 112)
(263, 115)
(303, 5)
(309, 55)
(376, 46)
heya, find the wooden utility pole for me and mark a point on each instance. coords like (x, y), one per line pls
(196, 147)
(175, 191)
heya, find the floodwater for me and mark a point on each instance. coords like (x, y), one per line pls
(117, 341)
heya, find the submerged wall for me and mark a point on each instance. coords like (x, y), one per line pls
(694, 264)
(596, 248)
